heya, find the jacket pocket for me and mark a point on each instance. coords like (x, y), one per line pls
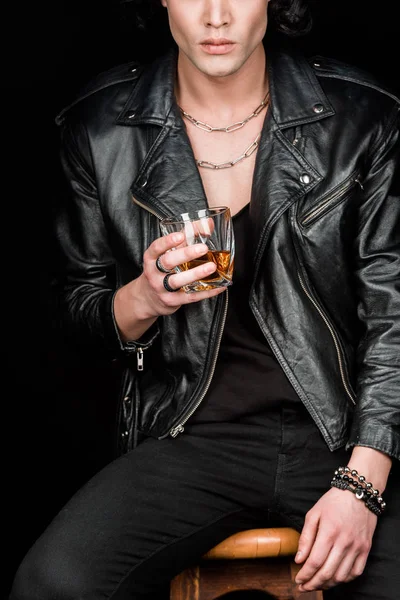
(329, 201)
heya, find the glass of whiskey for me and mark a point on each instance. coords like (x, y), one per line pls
(213, 227)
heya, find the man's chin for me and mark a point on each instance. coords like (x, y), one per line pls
(217, 70)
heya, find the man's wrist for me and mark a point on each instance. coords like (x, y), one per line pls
(138, 305)
(373, 464)
(131, 312)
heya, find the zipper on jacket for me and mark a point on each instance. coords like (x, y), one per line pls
(180, 428)
(139, 357)
(334, 337)
(315, 212)
(153, 212)
(134, 348)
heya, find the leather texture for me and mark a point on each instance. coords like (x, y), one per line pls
(325, 211)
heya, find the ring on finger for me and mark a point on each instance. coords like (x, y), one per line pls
(160, 266)
(166, 284)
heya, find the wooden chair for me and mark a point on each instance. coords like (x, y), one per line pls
(257, 559)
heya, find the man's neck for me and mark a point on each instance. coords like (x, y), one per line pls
(221, 97)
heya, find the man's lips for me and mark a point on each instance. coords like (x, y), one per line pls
(217, 41)
(217, 45)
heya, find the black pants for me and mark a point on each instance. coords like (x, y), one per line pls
(154, 511)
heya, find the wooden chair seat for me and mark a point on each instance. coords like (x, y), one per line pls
(256, 559)
(257, 543)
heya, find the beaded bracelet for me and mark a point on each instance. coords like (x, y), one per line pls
(348, 479)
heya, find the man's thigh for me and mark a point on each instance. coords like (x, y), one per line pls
(145, 517)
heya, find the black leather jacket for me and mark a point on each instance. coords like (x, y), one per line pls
(325, 210)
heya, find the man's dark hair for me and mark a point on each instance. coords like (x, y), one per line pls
(290, 17)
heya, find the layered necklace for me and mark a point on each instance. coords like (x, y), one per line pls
(206, 164)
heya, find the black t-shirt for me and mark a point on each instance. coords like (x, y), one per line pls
(248, 381)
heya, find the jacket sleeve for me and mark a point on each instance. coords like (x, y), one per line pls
(376, 420)
(86, 273)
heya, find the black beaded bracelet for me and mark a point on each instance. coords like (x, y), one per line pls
(348, 479)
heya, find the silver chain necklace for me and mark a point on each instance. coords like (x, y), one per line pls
(226, 165)
(230, 128)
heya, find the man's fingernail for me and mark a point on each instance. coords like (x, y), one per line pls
(298, 555)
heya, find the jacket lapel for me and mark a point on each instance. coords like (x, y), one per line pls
(282, 173)
(168, 181)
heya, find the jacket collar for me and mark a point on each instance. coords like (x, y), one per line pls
(290, 76)
(153, 99)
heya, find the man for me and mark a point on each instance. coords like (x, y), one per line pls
(239, 414)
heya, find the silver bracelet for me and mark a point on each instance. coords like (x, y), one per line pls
(348, 479)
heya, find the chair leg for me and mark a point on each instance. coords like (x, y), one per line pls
(185, 586)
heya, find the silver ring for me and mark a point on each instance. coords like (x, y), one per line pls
(160, 267)
(166, 284)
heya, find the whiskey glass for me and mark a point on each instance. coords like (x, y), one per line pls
(210, 226)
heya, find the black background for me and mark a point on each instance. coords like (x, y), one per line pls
(58, 408)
